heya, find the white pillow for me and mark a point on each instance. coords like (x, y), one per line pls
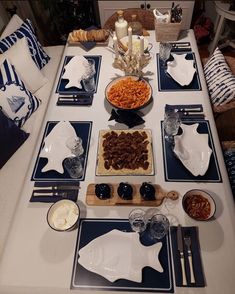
(16, 101)
(13, 25)
(219, 78)
(20, 57)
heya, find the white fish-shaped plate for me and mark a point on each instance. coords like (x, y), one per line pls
(74, 71)
(193, 150)
(181, 69)
(55, 149)
(119, 255)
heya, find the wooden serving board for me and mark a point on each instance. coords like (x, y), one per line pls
(160, 194)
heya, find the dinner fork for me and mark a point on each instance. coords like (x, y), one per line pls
(187, 242)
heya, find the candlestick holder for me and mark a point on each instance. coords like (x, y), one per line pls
(132, 64)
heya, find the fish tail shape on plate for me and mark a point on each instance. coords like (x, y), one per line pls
(181, 69)
(193, 150)
(119, 255)
(55, 149)
(74, 71)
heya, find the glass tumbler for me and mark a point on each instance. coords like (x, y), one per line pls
(171, 125)
(138, 220)
(89, 76)
(164, 53)
(74, 167)
(75, 145)
(159, 226)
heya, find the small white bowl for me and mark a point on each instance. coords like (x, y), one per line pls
(195, 203)
(63, 215)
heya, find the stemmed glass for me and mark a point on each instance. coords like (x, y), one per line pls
(164, 53)
(171, 125)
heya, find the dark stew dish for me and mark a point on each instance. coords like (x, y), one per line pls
(197, 207)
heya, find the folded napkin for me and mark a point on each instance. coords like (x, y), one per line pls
(192, 112)
(53, 191)
(196, 257)
(180, 47)
(169, 107)
(53, 196)
(130, 118)
(75, 100)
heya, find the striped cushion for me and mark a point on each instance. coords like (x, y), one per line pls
(16, 101)
(220, 80)
(26, 30)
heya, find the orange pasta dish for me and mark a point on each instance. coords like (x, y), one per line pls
(129, 93)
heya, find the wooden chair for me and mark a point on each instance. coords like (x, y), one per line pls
(145, 17)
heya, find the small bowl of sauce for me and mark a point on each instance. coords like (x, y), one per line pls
(199, 205)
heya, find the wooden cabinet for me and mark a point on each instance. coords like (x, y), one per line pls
(107, 8)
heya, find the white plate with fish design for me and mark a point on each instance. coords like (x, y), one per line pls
(193, 150)
(55, 149)
(119, 255)
(181, 69)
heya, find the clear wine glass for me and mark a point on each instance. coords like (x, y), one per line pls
(171, 125)
(164, 53)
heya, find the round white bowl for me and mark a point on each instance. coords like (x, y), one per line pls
(63, 215)
(204, 195)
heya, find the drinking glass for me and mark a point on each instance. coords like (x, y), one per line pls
(138, 220)
(164, 53)
(75, 145)
(171, 125)
(159, 226)
(74, 167)
(89, 76)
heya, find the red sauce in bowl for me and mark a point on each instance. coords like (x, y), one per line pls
(197, 206)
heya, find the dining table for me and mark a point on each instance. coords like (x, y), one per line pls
(37, 259)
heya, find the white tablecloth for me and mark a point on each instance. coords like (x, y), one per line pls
(40, 260)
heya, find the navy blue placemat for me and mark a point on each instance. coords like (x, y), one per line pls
(167, 84)
(174, 169)
(74, 90)
(152, 281)
(83, 130)
(192, 232)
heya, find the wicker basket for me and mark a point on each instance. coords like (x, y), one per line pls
(167, 31)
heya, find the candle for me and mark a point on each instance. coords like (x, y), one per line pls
(141, 45)
(115, 45)
(130, 40)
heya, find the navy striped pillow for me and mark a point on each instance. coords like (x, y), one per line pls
(220, 80)
(16, 101)
(26, 30)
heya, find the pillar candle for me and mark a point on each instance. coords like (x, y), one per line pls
(130, 40)
(115, 45)
(141, 45)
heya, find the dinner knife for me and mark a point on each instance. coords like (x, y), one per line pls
(181, 251)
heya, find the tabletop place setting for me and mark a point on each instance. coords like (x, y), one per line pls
(132, 253)
(127, 165)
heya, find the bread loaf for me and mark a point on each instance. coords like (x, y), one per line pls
(92, 35)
